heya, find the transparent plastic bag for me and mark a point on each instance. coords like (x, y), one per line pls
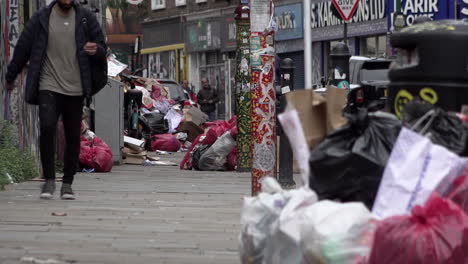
(215, 158)
(258, 214)
(336, 233)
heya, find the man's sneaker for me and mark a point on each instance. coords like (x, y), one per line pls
(48, 189)
(66, 193)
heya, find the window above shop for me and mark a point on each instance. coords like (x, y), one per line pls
(180, 2)
(158, 4)
(375, 46)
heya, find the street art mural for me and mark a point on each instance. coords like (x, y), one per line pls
(123, 26)
(162, 65)
(123, 17)
(244, 155)
(13, 107)
(3, 47)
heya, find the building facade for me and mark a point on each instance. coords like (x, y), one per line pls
(192, 39)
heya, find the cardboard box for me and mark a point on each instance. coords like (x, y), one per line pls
(135, 144)
(195, 115)
(319, 115)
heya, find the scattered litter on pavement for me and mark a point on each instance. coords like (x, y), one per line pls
(38, 179)
(59, 214)
(40, 261)
(159, 163)
(10, 178)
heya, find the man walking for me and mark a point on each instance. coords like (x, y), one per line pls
(60, 42)
(208, 98)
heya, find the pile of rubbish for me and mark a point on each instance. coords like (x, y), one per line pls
(375, 189)
(95, 154)
(213, 150)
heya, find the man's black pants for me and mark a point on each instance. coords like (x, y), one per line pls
(51, 107)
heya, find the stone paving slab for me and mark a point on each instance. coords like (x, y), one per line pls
(134, 214)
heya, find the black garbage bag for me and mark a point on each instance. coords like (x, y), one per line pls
(348, 165)
(443, 128)
(154, 123)
(197, 154)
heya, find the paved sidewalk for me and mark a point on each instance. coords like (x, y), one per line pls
(135, 214)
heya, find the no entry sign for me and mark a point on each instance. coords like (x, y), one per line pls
(346, 8)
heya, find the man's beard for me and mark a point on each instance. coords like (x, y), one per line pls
(64, 7)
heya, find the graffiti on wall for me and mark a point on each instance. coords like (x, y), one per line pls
(162, 65)
(263, 113)
(3, 48)
(13, 106)
(122, 17)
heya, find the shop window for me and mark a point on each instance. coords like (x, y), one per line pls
(213, 58)
(180, 2)
(158, 4)
(375, 46)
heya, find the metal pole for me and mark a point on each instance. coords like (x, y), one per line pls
(262, 62)
(243, 97)
(346, 32)
(307, 44)
(285, 151)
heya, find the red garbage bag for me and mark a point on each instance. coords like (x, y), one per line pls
(211, 137)
(186, 163)
(234, 132)
(96, 154)
(434, 234)
(232, 122)
(165, 142)
(459, 193)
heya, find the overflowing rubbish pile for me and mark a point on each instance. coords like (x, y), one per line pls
(380, 190)
(213, 150)
(382, 187)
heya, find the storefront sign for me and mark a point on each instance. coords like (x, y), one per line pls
(368, 10)
(228, 35)
(289, 21)
(203, 35)
(434, 9)
(464, 9)
(164, 33)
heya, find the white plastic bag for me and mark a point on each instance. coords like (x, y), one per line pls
(258, 214)
(284, 243)
(414, 170)
(292, 127)
(173, 118)
(336, 233)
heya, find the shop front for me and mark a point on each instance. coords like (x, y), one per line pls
(289, 39)
(203, 38)
(366, 32)
(228, 50)
(411, 9)
(164, 51)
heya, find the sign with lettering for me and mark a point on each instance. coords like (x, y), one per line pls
(464, 9)
(367, 10)
(434, 9)
(203, 35)
(13, 28)
(346, 8)
(289, 21)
